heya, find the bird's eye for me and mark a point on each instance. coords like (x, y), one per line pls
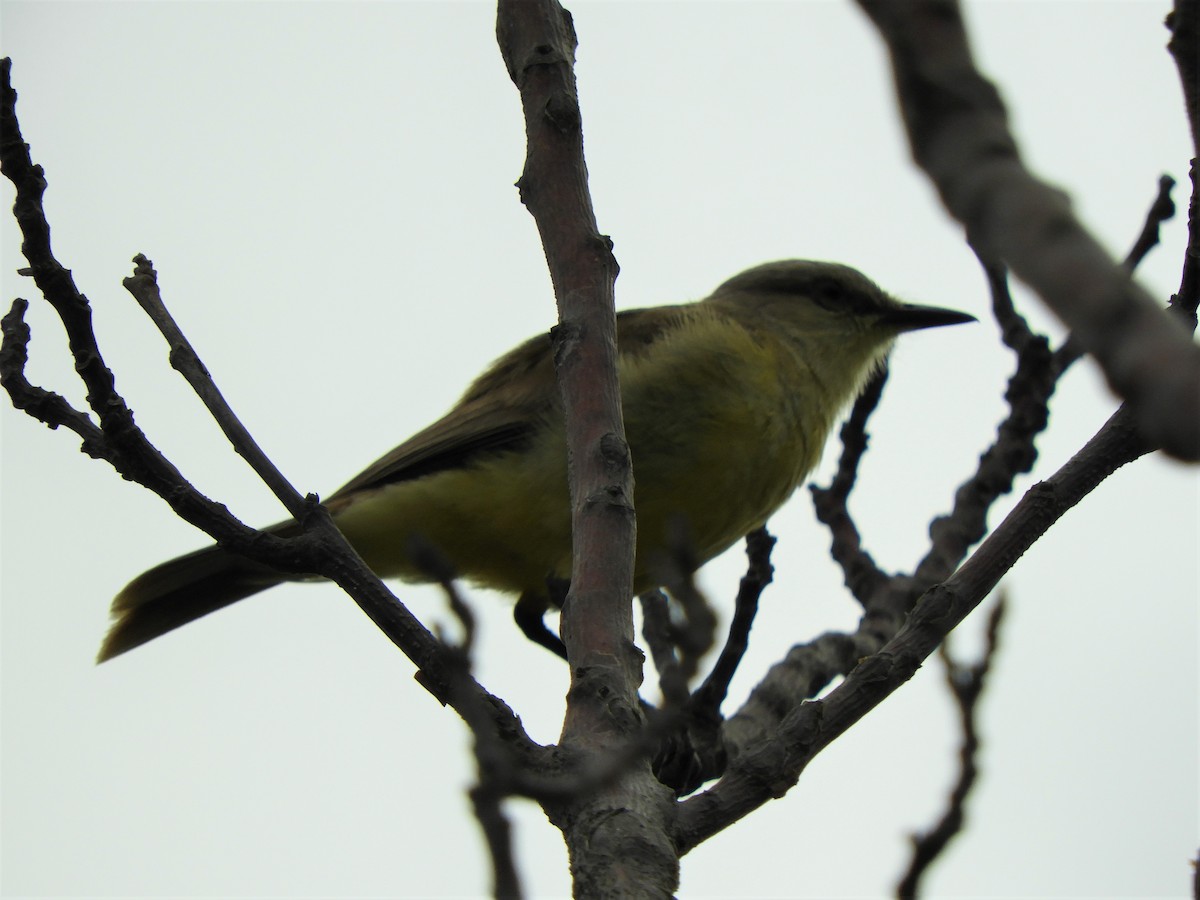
(830, 295)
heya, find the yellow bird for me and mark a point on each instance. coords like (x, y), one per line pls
(727, 403)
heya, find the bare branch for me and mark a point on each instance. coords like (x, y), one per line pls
(863, 577)
(1162, 209)
(506, 882)
(711, 694)
(617, 835)
(657, 630)
(1184, 47)
(117, 439)
(693, 751)
(46, 406)
(809, 668)
(959, 134)
(497, 762)
(694, 637)
(537, 41)
(1184, 304)
(966, 682)
(767, 768)
(1012, 453)
(143, 285)
(691, 633)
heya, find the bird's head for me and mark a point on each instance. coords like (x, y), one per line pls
(829, 297)
(835, 319)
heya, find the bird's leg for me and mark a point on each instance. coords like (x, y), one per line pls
(529, 615)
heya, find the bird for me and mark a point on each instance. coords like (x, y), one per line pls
(727, 404)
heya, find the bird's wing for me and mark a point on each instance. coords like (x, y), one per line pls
(450, 443)
(502, 410)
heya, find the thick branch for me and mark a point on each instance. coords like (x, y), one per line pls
(616, 836)
(537, 41)
(958, 130)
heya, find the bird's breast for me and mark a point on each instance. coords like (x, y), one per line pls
(721, 429)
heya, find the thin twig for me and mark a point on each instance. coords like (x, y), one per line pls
(47, 407)
(1013, 452)
(966, 682)
(692, 751)
(118, 440)
(495, 761)
(1162, 209)
(759, 573)
(695, 753)
(678, 643)
(1184, 47)
(1185, 302)
(695, 635)
(862, 576)
(143, 285)
(497, 830)
(658, 632)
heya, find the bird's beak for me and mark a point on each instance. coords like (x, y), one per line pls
(909, 317)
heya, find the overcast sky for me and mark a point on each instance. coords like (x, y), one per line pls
(326, 191)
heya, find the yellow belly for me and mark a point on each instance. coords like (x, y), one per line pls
(717, 441)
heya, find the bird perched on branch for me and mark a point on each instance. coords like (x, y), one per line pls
(727, 405)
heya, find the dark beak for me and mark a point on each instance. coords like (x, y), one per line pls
(908, 317)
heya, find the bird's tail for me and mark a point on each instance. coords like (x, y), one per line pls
(181, 591)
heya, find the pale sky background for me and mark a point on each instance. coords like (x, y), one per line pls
(326, 191)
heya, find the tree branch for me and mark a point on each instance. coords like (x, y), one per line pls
(1162, 209)
(863, 576)
(958, 131)
(143, 285)
(319, 550)
(809, 668)
(537, 41)
(966, 682)
(759, 573)
(1015, 449)
(496, 763)
(656, 631)
(770, 768)
(693, 751)
(616, 835)
(1184, 47)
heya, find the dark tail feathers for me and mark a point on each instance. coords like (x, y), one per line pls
(181, 591)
